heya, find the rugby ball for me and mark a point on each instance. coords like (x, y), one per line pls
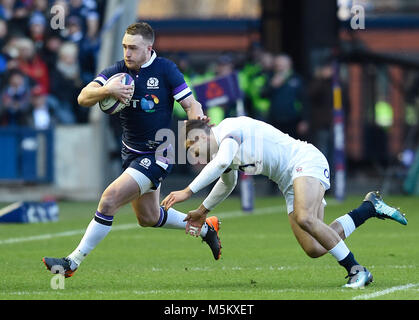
(110, 105)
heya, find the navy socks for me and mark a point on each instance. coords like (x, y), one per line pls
(362, 213)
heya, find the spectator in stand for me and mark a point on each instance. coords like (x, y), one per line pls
(40, 115)
(224, 66)
(75, 30)
(3, 55)
(41, 6)
(3, 33)
(11, 53)
(15, 99)
(321, 102)
(32, 64)
(66, 82)
(16, 13)
(37, 29)
(88, 47)
(254, 78)
(289, 107)
(21, 10)
(86, 12)
(7, 9)
(53, 43)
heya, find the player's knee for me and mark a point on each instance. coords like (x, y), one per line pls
(146, 222)
(108, 203)
(147, 219)
(107, 206)
(305, 220)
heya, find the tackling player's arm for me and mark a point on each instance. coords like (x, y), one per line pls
(192, 108)
(95, 92)
(222, 189)
(213, 170)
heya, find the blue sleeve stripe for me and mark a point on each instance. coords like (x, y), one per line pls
(180, 88)
(103, 76)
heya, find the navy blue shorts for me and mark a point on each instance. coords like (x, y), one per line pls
(154, 169)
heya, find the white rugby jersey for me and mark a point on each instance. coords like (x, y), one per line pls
(254, 147)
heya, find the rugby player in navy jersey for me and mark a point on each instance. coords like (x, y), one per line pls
(158, 82)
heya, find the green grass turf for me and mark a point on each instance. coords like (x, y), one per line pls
(260, 259)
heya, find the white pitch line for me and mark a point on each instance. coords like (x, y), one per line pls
(69, 233)
(222, 215)
(385, 291)
(160, 292)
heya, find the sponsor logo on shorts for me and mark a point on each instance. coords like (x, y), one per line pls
(326, 173)
(299, 169)
(145, 162)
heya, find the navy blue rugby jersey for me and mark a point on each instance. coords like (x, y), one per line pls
(158, 83)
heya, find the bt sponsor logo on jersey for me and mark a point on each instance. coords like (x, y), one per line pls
(148, 102)
(152, 83)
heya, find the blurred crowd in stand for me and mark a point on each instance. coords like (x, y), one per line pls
(275, 93)
(44, 62)
(44, 66)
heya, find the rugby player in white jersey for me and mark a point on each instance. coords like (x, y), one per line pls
(302, 174)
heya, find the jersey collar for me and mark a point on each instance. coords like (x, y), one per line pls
(149, 62)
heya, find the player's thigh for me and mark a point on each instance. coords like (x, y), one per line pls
(308, 196)
(147, 208)
(120, 192)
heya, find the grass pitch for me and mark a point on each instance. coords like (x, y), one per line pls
(260, 258)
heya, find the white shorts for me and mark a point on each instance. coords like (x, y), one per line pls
(289, 199)
(312, 164)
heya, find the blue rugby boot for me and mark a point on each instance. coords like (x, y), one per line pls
(384, 211)
(359, 277)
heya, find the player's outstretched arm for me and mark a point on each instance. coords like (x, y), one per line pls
(175, 197)
(222, 189)
(212, 171)
(217, 166)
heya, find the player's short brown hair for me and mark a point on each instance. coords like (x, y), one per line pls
(143, 29)
(195, 124)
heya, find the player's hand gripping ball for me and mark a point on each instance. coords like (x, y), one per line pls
(112, 105)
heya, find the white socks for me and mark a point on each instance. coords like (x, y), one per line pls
(340, 251)
(96, 231)
(173, 219)
(100, 226)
